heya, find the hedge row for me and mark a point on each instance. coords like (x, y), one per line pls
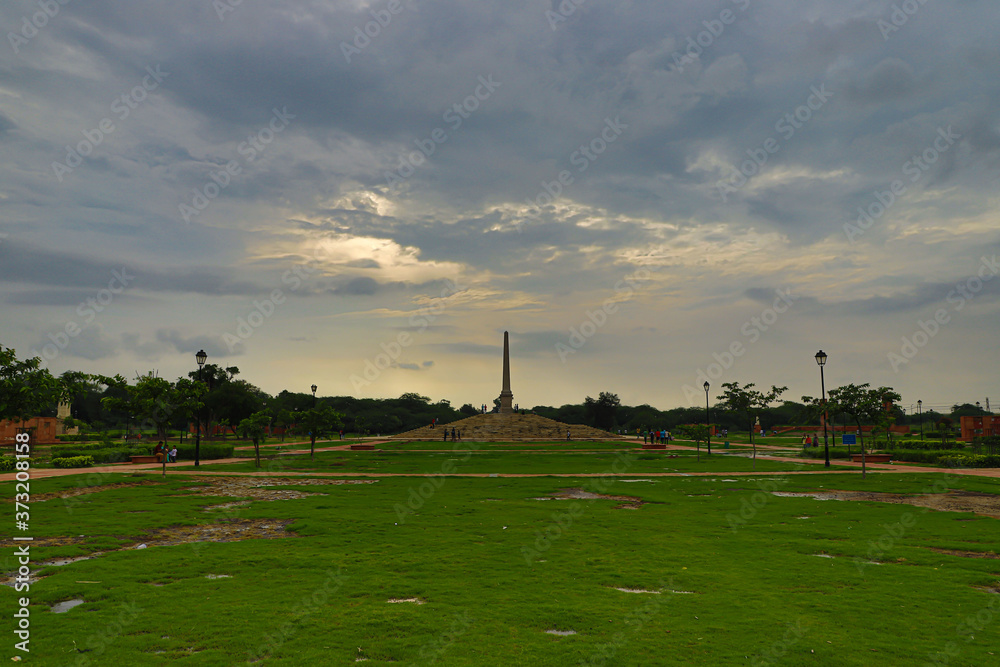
(927, 444)
(208, 451)
(7, 463)
(107, 455)
(930, 456)
(971, 461)
(74, 462)
(83, 450)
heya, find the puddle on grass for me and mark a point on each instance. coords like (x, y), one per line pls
(636, 590)
(627, 502)
(63, 607)
(561, 633)
(984, 504)
(966, 554)
(231, 530)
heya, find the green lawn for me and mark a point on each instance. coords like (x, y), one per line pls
(465, 459)
(743, 576)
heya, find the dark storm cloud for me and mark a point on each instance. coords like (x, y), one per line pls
(34, 266)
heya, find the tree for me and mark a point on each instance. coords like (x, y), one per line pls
(320, 421)
(26, 389)
(468, 410)
(696, 432)
(255, 428)
(602, 412)
(154, 400)
(283, 419)
(863, 404)
(750, 402)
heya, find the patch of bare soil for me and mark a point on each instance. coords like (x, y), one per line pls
(966, 554)
(984, 504)
(257, 488)
(226, 530)
(627, 502)
(231, 530)
(83, 490)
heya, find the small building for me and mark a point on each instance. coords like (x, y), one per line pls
(979, 426)
(43, 430)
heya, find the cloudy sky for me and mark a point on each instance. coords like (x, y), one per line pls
(365, 195)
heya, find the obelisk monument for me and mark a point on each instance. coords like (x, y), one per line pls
(506, 397)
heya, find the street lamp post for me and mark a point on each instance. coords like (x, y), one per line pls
(920, 414)
(708, 420)
(200, 358)
(314, 395)
(821, 361)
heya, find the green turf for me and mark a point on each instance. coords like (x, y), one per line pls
(741, 572)
(465, 459)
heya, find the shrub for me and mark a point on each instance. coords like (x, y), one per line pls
(80, 450)
(208, 451)
(74, 462)
(7, 463)
(971, 461)
(929, 456)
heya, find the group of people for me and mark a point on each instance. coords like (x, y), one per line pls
(161, 449)
(661, 437)
(454, 435)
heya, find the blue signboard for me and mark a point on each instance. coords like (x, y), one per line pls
(850, 439)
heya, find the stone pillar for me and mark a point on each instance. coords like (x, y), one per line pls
(506, 397)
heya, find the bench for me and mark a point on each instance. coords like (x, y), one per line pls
(872, 458)
(147, 458)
